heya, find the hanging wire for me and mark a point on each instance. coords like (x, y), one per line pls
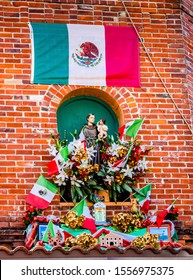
(162, 81)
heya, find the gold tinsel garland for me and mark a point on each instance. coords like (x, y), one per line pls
(147, 239)
(71, 220)
(127, 222)
(83, 240)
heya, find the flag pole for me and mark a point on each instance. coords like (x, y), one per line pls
(174, 201)
(128, 197)
(63, 198)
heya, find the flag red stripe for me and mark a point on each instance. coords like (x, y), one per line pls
(89, 223)
(122, 56)
(37, 201)
(161, 217)
(145, 206)
(52, 168)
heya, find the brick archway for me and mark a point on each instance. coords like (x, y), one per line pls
(120, 100)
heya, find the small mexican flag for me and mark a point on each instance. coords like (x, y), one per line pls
(42, 193)
(123, 161)
(56, 164)
(162, 215)
(133, 128)
(122, 130)
(144, 198)
(82, 209)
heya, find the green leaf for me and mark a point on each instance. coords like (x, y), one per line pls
(127, 188)
(115, 196)
(78, 190)
(110, 193)
(137, 191)
(128, 182)
(98, 188)
(91, 182)
(72, 190)
(101, 174)
(118, 188)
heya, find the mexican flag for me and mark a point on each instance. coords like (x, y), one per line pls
(42, 193)
(82, 209)
(144, 198)
(56, 164)
(123, 161)
(133, 128)
(162, 215)
(79, 54)
(122, 130)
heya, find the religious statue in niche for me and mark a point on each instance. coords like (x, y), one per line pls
(93, 134)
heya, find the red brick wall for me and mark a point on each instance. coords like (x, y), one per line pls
(187, 29)
(28, 112)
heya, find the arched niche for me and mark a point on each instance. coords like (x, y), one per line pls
(71, 114)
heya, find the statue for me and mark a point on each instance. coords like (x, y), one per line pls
(94, 135)
(89, 134)
(102, 129)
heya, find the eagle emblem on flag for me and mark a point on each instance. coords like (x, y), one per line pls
(87, 55)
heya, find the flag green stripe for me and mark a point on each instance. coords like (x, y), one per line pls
(45, 183)
(64, 153)
(134, 128)
(51, 53)
(145, 190)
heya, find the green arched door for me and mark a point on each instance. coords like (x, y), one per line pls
(71, 115)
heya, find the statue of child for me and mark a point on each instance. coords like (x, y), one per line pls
(102, 129)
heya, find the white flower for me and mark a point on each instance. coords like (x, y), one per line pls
(113, 149)
(142, 165)
(52, 150)
(128, 171)
(75, 182)
(112, 169)
(68, 164)
(59, 181)
(109, 179)
(84, 163)
(91, 152)
(75, 145)
(62, 176)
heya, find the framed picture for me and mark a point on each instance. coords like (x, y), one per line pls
(41, 230)
(163, 232)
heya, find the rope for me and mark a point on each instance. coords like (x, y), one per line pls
(162, 81)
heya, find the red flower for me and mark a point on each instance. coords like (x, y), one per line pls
(30, 208)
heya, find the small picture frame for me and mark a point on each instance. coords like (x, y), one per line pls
(41, 230)
(163, 231)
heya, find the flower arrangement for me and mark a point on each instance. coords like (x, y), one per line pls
(77, 177)
(30, 213)
(122, 163)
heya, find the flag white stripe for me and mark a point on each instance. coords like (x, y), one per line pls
(82, 75)
(145, 199)
(48, 196)
(86, 212)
